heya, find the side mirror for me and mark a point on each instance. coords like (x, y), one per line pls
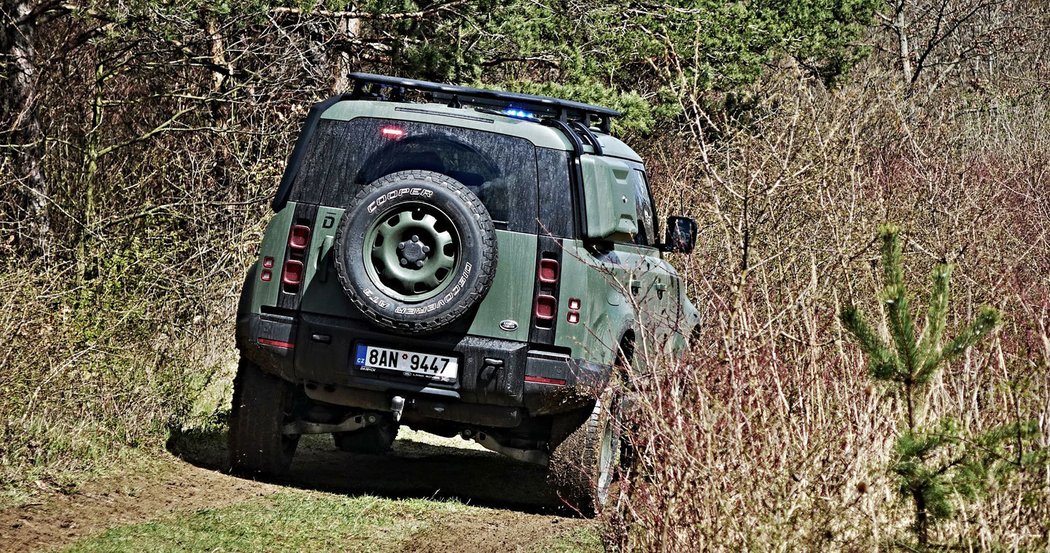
(680, 235)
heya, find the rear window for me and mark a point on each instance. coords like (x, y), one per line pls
(345, 155)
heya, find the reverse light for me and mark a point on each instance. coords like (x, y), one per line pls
(266, 276)
(268, 262)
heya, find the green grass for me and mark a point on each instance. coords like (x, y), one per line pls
(287, 521)
(581, 540)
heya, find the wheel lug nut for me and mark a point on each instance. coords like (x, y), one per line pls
(415, 238)
(401, 246)
(426, 249)
(404, 261)
(419, 263)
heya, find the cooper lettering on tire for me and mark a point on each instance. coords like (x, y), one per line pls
(416, 251)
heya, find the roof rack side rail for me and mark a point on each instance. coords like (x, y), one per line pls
(381, 87)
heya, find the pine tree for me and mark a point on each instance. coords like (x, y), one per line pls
(929, 464)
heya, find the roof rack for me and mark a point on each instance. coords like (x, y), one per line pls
(367, 85)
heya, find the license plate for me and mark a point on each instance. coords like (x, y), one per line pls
(432, 367)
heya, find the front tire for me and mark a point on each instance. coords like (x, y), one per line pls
(262, 404)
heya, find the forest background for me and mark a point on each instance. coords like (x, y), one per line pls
(141, 141)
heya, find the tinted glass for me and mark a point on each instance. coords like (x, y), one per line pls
(556, 208)
(345, 155)
(643, 204)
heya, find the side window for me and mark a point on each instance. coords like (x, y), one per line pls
(643, 204)
(555, 196)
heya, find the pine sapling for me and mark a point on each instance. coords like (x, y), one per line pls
(928, 463)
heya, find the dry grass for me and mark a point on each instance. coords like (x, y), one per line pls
(769, 434)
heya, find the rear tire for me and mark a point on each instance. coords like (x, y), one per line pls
(582, 467)
(262, 404)
(371, 440)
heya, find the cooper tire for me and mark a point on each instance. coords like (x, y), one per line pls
(416, 252)
(262, 404)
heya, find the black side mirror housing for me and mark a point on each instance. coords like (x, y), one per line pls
(679, 235)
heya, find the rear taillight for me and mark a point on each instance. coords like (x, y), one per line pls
(546, 307)
(299, 237)
(293, 273)
(548, 272)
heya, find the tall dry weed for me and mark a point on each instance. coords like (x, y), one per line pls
(768, 434)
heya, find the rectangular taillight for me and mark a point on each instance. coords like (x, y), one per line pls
(299, 237)
(293, 273)
(548, 271)
(546, 307)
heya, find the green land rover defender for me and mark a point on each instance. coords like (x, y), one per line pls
(461, 261)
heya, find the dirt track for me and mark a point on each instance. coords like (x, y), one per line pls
(519, 508)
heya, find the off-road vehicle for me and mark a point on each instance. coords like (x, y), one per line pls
(461, 261)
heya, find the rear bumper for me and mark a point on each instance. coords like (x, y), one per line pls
(500, 381)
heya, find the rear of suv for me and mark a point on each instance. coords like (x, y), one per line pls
(461, 261)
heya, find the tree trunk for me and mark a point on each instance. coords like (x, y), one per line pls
(901, 28)
(21, 125)
(921, 519)
(349, 29)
